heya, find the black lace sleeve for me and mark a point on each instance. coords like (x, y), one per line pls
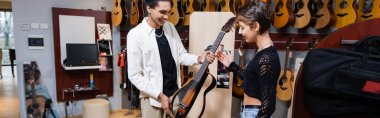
(269, 70)
(235, 69)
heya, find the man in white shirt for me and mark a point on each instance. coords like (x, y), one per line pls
(155, 53)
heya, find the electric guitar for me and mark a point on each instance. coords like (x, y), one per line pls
(188, 9)
(223, 6)
(302, 13)
(283, 16)
(174, 14)
(134, 14)
(188, 93)
(237, 90)
(323, 13)
(345, 13)
(368, 9)
(207, 5)
(284, 88)
(118, 13)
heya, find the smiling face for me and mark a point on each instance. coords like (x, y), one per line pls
(160, 13)
(249, 32)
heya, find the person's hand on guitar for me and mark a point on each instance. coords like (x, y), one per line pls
(165, 101)
(210, 57)
(225, 58)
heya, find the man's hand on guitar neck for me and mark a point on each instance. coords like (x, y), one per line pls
(209, 55)
(165, 101)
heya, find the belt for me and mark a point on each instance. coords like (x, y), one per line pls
(251, 106)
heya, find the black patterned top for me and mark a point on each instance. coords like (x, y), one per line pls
(260, 79)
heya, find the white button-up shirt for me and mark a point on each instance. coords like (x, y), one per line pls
(144, 63)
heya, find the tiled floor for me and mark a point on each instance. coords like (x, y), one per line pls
(9, 100)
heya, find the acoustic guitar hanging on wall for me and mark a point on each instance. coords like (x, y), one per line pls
(368, 9)
(134, 13)
(345, 13)
(118, 13)
(322, 13)
(302, 13)
(284, 88)
(283, 15)
(174, 13)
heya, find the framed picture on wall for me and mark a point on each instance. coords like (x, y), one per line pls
(105, 48)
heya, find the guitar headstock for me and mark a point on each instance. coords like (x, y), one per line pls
(289, 43)
(228, 26)
(313, 43)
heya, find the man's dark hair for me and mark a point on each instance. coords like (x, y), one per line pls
(154, 3)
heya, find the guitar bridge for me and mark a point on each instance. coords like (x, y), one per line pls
(342, 14)
(366, 16)
(298, 15)
(279, 14)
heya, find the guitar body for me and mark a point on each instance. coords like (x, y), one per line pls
(376, 9)
(284, 92)
(237, 89)
(302, 14)
(174, 14)
(368, 9)
(323, 14)
(223, 6)
(188, 9)
(282, 16)
(284, 88)
(118, 13)
(345, 13)
(207, 5)
(36, 109)
(134, 13)
(141, 9)
(188, 90)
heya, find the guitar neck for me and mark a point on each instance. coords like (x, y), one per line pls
(241, 59)
(205, 63)
(286, 59)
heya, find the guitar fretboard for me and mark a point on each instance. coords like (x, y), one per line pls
(205, 63)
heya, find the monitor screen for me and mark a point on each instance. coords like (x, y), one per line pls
(81, 53)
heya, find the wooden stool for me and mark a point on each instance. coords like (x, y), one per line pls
(96, 108)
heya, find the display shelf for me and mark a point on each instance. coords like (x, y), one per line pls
(80, 67)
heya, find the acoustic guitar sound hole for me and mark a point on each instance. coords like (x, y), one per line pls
(299, 4)
(343, 4)
(367, 6)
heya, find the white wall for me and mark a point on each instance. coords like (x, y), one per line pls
(39, 11)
